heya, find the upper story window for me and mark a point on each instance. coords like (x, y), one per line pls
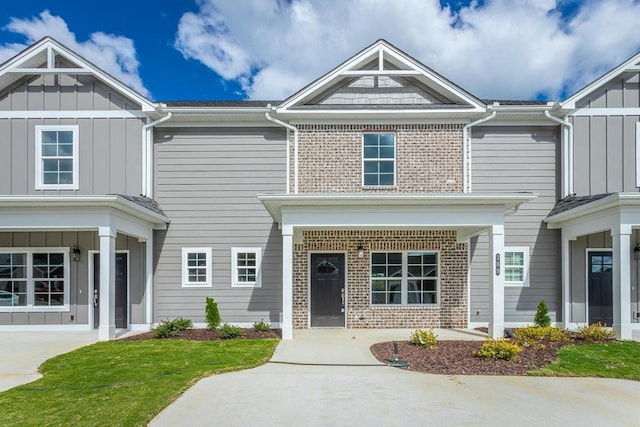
(196, 267)
(245, 267)
(379, 159)
(57, 157)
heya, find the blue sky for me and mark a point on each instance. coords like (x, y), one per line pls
(268, 49)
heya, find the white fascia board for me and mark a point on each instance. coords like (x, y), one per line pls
(628, 65)
(72, 114)
(379, 121)
(76, 202)
(611, 201)
(606, 112)
(215, 110)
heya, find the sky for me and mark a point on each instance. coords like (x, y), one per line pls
(269, 49)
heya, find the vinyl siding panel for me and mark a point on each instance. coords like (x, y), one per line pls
(620, 92)
(206, 181)
(518, 159)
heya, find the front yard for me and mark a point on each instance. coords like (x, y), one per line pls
(123, 382)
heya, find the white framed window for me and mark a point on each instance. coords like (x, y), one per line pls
(196, 267)
(34, 279)
(405, 278)
(516, 265)
(378, 159)
(57, 157)
(246, 266)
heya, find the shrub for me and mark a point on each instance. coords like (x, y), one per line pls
(595, 332)
(261, 326)
(212, 314)
(530, 335)
(423, 338)
(542, 317)
(498, 349)
(228, 331)
(168, 328)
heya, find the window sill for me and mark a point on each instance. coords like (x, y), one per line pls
(412, 306)
(379, 187)
(246, 285)
(193, 285)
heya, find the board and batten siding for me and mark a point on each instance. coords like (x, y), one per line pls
(605, 146)
(78, 313)
(110, 149)
(207, 181)
(511, 159)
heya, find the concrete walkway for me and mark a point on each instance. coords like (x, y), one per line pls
(329, 378)
(23, 352)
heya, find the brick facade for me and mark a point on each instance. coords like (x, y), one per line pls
(428, 158)
(450, 313)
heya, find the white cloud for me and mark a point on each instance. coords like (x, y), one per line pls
(114, 54)
(501, 49)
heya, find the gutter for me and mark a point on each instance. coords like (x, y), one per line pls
(147, 155)
(295, 150)
(567, 150)
(466, 174)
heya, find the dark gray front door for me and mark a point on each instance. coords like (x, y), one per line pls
(327, 290)
(121, 290)
(601, 288)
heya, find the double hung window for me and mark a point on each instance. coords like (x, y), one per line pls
(245, 267)
(196, 267)
(516, 264)
(57, 157)
(378, 159)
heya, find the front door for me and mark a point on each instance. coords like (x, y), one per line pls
(121, 290)
(327, 290)
(600, 288)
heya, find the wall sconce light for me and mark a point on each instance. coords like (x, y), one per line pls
(360, 252)
(75, 253)
(636, 251)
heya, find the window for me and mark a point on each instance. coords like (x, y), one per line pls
(34, 279)
(516, 264)
(378, 159)
(404, 278)
(57, 157)
(245, 267)
(196, 267)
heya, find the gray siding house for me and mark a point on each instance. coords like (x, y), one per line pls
(380, 195)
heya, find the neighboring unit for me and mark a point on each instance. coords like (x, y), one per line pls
(381, 195)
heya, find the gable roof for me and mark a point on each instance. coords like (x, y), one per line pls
(630, 65)
(39, 58)
(383, 59)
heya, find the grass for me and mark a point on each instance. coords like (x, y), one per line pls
(607, 360)
(123, 382)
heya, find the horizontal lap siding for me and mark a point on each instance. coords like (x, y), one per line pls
(207, 181)
(518, 159)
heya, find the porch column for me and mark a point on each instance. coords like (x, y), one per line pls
(107, 329)
(566, 281)
(621, 236)
(287, 282)
(496, 281)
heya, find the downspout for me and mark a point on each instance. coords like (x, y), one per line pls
(147, 165)
(466, 174)
(295, 150)
(568, 152)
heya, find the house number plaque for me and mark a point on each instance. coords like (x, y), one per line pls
(497, 264)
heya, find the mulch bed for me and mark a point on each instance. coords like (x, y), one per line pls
(207, 335)
(456, 358)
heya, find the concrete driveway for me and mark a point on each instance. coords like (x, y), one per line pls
(328, 378)
(23, 352)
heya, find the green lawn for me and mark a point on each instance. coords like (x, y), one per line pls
(610, 360)
(123, 383)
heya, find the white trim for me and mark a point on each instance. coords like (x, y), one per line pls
(586, 279)
(29, 279)
(45, 328)
(39, 129)
(234, 267)
(638, 154)
(606, 112)
(526, 250)
(473, 325)
(208, 267)
(245, 325)
(346, 288)
(72, 114)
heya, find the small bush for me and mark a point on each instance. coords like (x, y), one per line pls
(261, 326)
(424, 338)
(542, 317)
(531, 335)
(212, 314)
(169, 328)
(595, 332)
(498, 349)
(228, 331)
